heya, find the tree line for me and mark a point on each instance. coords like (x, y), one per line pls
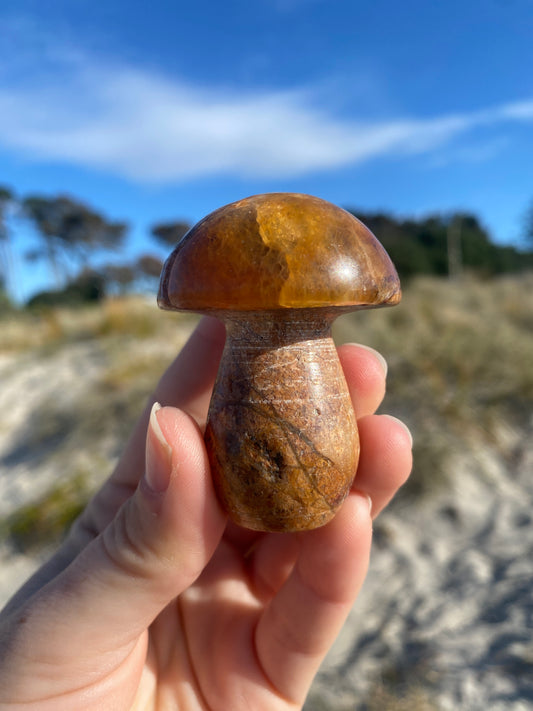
(444, 245)
(83, 249)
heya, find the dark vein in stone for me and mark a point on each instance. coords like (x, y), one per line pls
(287, 428)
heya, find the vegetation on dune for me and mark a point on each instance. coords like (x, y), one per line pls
(459, 359)
(415, 698)
(45, 521)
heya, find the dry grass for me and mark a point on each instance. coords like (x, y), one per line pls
(380, 698)
(468, 342)
(415, 699)
(460, 366)
(132, 317)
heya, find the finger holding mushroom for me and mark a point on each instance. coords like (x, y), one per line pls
(278, 269)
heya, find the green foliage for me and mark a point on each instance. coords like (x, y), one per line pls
(6, 199)
(422, 246)
(140, 275)
(170, 233)
(46, 520)
(69, 230)
(6, 305)
(119, 277)
(148, 270)
(72, 224)
(528, 223)
(149, 265)
(88, 287)
(7, 203)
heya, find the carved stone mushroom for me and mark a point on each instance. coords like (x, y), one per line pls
(278, 269)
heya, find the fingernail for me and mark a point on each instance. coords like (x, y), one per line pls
(158, 455)
(364, 495)
(381, 360)
(403, 426)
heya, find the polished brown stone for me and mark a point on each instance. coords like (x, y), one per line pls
(281, 433)
(278, 250)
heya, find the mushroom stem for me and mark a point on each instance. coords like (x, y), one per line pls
(281, 432)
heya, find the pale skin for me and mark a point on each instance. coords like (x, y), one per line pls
(156, 602)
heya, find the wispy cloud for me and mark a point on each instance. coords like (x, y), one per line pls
(147, 127)
(474, 152)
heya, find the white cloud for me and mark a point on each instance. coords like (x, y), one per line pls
(473, 152)
(147, 127)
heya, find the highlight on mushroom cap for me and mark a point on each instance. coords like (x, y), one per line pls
(278, 251)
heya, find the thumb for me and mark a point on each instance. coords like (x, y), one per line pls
(155, 547)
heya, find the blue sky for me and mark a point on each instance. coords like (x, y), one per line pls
(166, 110)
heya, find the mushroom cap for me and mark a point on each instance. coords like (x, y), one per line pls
(278, 251)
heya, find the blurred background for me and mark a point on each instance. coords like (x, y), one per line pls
(122, 124)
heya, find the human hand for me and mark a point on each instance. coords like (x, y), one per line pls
(155, 601)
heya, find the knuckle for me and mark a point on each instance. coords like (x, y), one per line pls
(126, 546)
